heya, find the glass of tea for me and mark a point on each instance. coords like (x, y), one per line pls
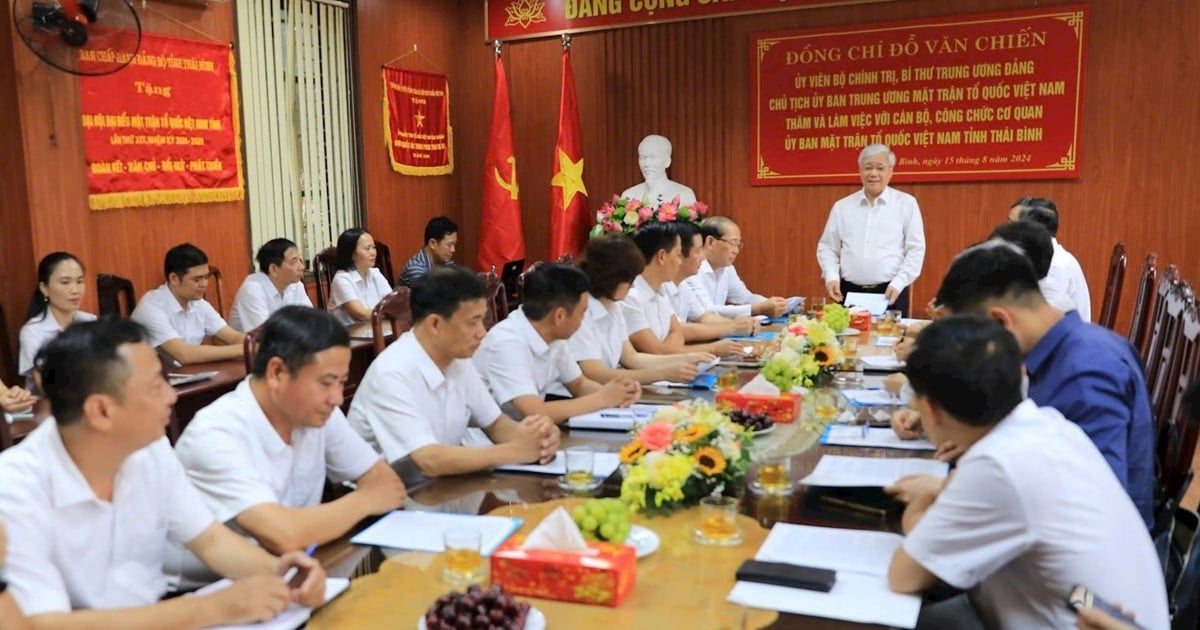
(580, 468)
(463, 560)
(774, 476)
(825, 403)
(718, 522)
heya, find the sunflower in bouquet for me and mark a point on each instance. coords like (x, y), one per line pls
(686, 452)
(806, 353)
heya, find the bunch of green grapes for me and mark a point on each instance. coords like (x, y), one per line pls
(836, 316)
(602, 519)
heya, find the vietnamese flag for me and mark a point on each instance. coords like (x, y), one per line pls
(500, 237)
(569, 217)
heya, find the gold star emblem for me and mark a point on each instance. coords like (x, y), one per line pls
(524, 12)
(420, 118)
(569, 178)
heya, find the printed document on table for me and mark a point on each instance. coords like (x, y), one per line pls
(603, 465)
(849, 472)
(292, 617)
(616, 418)
(422, 531)
(860, 559)
(871, 437)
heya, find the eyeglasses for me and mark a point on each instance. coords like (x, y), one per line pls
(735, 243)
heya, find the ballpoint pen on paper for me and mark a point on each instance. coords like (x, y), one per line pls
(290, 574)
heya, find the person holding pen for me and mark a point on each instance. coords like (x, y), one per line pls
(260, 454)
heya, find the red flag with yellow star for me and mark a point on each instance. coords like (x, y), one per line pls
(569, 217)
(500, 235)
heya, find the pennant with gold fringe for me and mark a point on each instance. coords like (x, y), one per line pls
(165, 129)
(416, 122)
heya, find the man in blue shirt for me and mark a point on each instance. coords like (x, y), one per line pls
(1088, 373)
(441, 240)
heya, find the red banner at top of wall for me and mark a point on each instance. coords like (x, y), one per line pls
(525, 19)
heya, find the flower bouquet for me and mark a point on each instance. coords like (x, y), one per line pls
(805, 354)
(685, 453)
(626, 215)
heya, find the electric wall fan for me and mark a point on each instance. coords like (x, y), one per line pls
(83, 37)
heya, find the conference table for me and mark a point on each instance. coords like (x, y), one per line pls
(682, 584)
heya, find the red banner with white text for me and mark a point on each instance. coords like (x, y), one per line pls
(163, 130)
(979, 97)
(524, 19)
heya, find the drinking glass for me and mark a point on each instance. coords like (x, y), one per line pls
(825, 403)
(718, 522)
(463, 560)
(774, 476)
(727, 379)
(580, 466)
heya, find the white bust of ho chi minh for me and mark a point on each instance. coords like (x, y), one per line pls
(654, 156)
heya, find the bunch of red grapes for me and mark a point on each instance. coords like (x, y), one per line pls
(751, 420)
(477, 609)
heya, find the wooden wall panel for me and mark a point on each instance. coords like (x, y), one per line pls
(398, 206)
(131, 241)
(689, 81)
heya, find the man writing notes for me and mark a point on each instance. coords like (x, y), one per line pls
(524, 355)
(260, 454)
(422, 393)
(717, 285)
(95, 493)
(874, 240)
(1031, 509)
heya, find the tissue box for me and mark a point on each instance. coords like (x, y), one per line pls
(860, 320)
(783, 408)
(603, 578)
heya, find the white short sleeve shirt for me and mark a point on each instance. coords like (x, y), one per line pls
(68, 549)
(1032, 510)
(349, 286)
(687, 307)
(165, 319)
(647, 308)
(405, 402)
(515, 361)
(1065, 287)
(38, 332)
(258, 298)
(602, 335)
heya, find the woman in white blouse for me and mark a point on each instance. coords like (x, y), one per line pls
(53, 307)
(358, 285)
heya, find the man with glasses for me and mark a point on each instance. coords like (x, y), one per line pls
(874, 241)
(717, 285)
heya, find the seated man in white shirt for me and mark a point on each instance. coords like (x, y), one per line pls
(700, 324)
(874, 240)
(422, 393)
(260, 454)
(279, 282)
(649, 312)
(601, 346)
(717, 284)
(524, 355)
(95, 494)
(1065, 286)
(178, 317)
(1032, 508)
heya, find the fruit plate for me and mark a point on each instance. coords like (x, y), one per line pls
(535, 620)
(643, 540)
(765, 431)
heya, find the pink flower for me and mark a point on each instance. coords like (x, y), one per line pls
(612, 226)
(656, 436)
(616, 200)
(645, 212)
(701, 208)
(631, 205)
(668, 212)
(605, 211)
(798, 330)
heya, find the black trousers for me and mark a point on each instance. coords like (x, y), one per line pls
(901, 303)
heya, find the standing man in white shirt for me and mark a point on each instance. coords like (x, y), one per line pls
(95, 494)
(260, 454)
(874, 240)
(279, 282)
(1031, 510)
(717, 284)
(524, 355)
(1066, 275)
(422, 393)
(178, 317)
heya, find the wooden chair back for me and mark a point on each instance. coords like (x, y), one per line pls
(497, 299)
(521, 279)
(115, 295)
(396, 308)
(1139, 322)
(1177, 430)
(1112, 286)
(250, 346)
(324, 266)
(1174, 296)
(215, 283)
(383, 261)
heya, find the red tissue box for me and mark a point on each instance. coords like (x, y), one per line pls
(783, 408)
(603, 578)
(860, 320)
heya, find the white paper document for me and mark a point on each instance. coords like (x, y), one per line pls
(882, 363)
(876, 303)
(603, 465)
(860, 592)
(871, 437)
(871, 472)
(616, 418)
(423, 531)
(292, 617)
(871, 397)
